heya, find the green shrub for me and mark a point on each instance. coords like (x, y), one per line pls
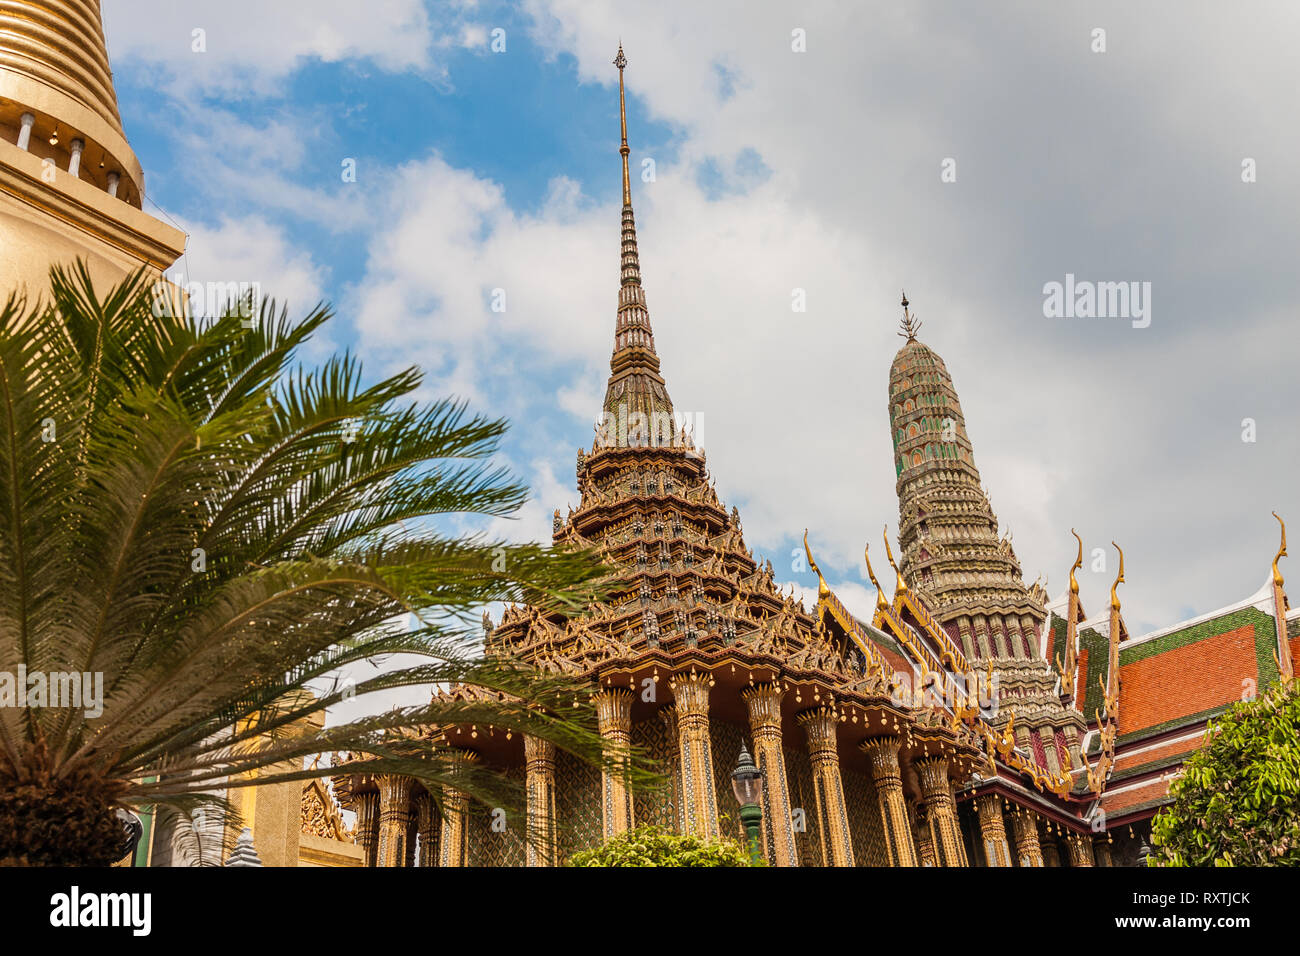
(655, 846)
(1237, 802)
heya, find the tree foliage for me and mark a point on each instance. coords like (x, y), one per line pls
(1237, 801)
(655, 846)
(215, 530)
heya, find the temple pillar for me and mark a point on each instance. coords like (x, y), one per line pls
(828, 789)
(993, 831)
(614, 719)
(888, 778)
(924, 845)
(426, 820)
(1024, 826)
(394, 816)
(453, 841)
(764, 701)
(699, 798)
(1051, 848)
(540, 846)
(668, 714)
(1101, 850)
(933, 773)
(1079, 846)
(367, 807)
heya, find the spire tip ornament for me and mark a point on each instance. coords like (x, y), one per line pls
(620, 61)
(910, 326)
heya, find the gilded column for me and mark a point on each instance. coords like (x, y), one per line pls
(828, 789)
(764, 702)
(426, 818)
(668, 714)
(394, 817)
(993, 830)
(1101, 850)
(614, 718)
(539, 771)
(699, 798)
(1051, 849)
(885, 772)
(933, 773)
(367, 807)
(1024, 826)
(453, 841)
(921, 832)
(1079, 846)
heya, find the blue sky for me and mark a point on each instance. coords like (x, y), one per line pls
(780, 169)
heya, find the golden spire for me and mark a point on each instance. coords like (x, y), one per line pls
(902, 585)
(635, 386)
(822, 589)
(1281, 551)
(910, 326)
(1114, 598)
(1078, 563)
(54, 68)
(620, 61)
(881, 603)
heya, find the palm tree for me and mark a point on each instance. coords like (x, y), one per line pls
(210, 529)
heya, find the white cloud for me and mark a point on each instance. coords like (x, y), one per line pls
(251, 45)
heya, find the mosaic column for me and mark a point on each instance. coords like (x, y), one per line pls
(828, 789)
(394, 816)
(1079, 846)
(426, 819)
(453, 841)
(614, 718)
(1101, 850)
(764, 702)
(933, 773)
(669, 716)
(699, 798)
(885, 772)
(921, 833)
(1024, 826)
(539, 772)
(367, 807)
(993, 830)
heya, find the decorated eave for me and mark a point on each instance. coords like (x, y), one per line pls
(939, 666)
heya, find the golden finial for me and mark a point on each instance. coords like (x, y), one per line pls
(880, 594)
(1114, 598)
(1078, 563)
(902, 585)
(1281, 551)
(620, 61)
(910, 324)
(822, 589)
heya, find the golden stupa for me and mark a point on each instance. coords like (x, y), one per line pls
(70, 185)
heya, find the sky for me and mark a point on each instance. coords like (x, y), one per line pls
(838, 153)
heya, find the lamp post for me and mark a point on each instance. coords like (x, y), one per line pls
(747, 785)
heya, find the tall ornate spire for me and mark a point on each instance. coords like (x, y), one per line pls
(635, 385)
(951, 551)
